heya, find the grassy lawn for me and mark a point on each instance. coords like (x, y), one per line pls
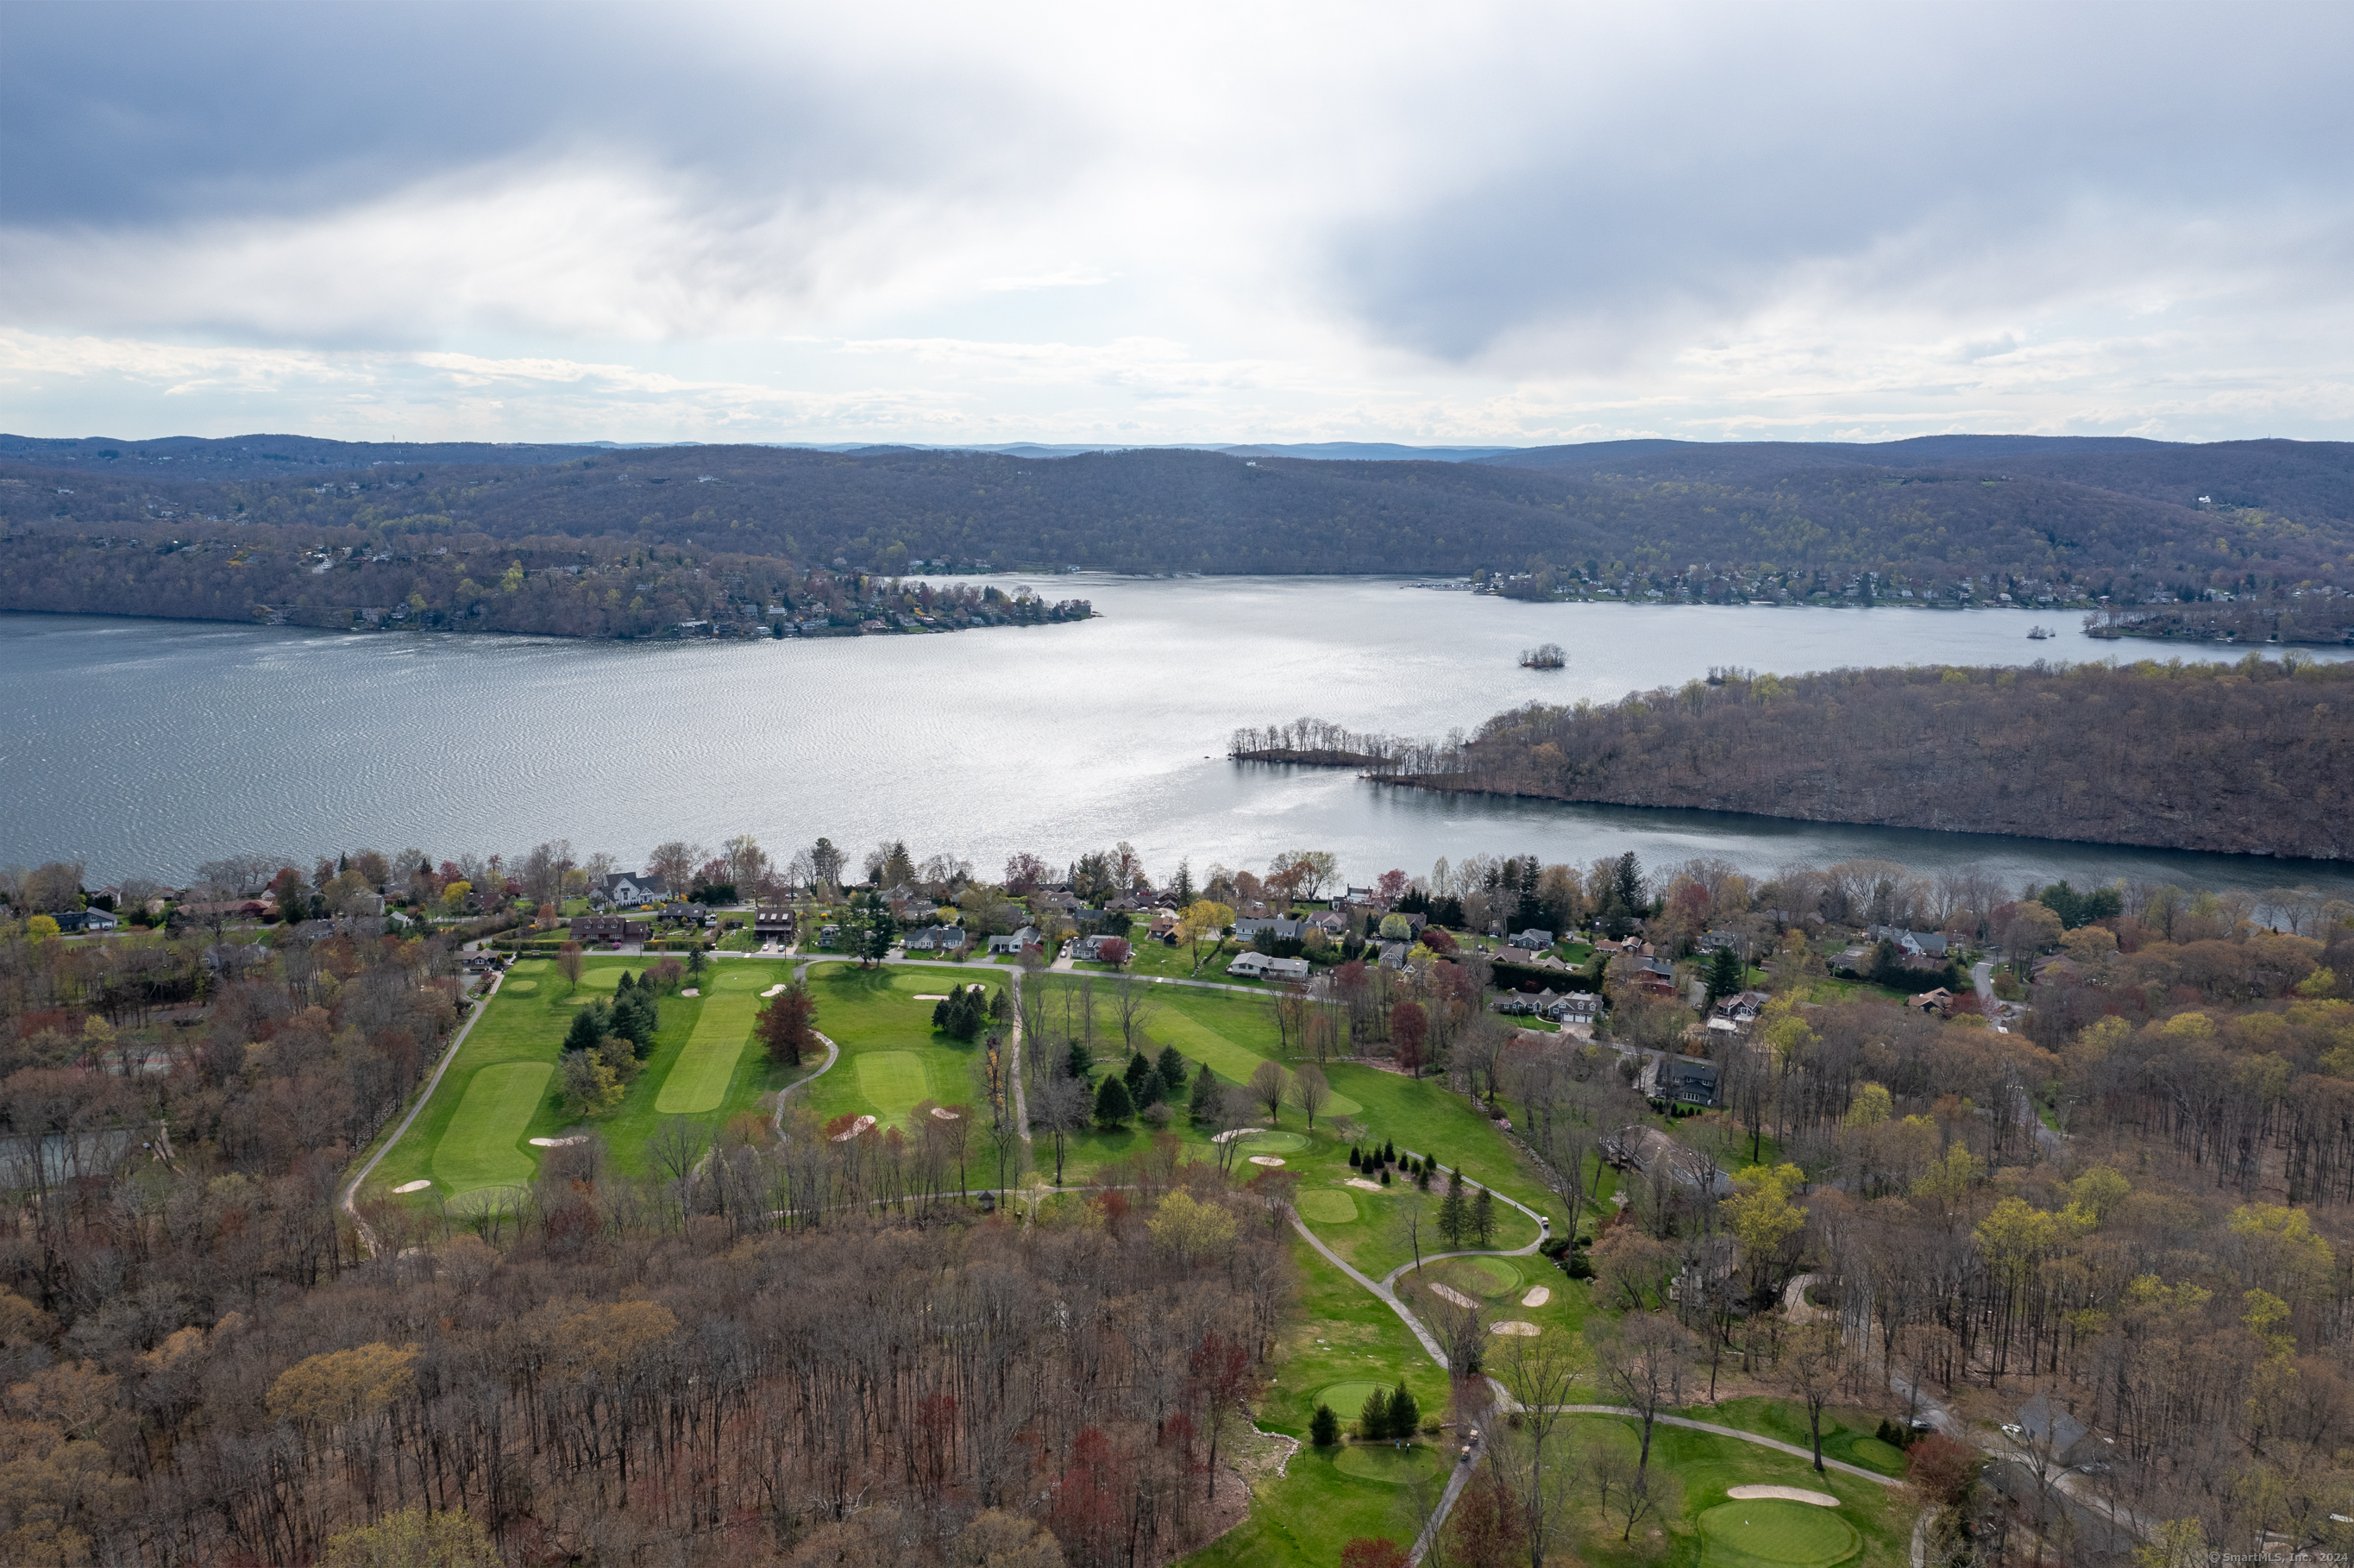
(1336, 1346)
(1871, 1528)
(1847, 1431)
(892, 1058)
(502, 1090)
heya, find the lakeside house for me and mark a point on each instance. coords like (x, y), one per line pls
(610, 928)
(84, 920)
(1285, 928)
(1015, 942)
(1912, 944)
(1258, 966)
(627, 889)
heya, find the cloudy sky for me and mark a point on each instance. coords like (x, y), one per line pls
(1461, 224)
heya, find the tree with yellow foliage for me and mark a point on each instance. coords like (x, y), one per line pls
(1763, 1220)
(413, 1538)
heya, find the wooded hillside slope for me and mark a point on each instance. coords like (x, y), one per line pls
(2090, 526)
(2255, 758)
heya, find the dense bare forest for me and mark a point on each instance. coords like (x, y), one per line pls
(2245, 758)
(1740, 513)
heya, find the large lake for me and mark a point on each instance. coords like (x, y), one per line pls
(146, 747)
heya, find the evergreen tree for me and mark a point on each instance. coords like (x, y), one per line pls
(1171, 1068)
(1323, 1427)
(1135, 1074)
(1405, 1414)
(1389, 1152)
(1149, 1091)
(1385, 1175)
(1422, 1177)
(1183, 887)
(635, 1020)
(589, 1027)
(625, 983)
(1483, 1216)
(1113, 1107)
(1453, 1213)
(1373, 1416)
(1354, 1163)
(1724, 974)
(1206, 1096)
(1079, 1065)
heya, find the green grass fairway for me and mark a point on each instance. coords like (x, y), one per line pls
(1489, 1275)
(698, 1080)
(1275, 1143)
(480, 1146)
(892, 1082)
(519, 986)
(1874, 1455)
(1327, 1207)
(1381, 1462)
(1772, 1530)
(1347, 1398)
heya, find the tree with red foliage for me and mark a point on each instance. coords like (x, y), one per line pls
(1114, 950)
(1439, 941)
(1024, 872)
(785, 1026)
(1409, 1027)
(1484, 1531)
(1942, 1468)
(1089, 1515)
(1220, 1377)
(1373, 1551)
(1391, 886)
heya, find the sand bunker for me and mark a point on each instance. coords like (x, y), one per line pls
(1238, 1132)
(412, 1186)
(1264, 1159)
(928, 996)
(690, 990)
(1450, 1294)
(860, 1125)
(774, 990)
(1789, 1494)
(1515, 1328)
(1368, 1186)
(1537, 1298)
(559, 1142)
(942, 1112)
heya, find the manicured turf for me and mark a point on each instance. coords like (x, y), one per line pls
(1275, 1142)
(1778, 1531)
(892, 1082)
(1326, 1206)
(480, 1146)
(1348, 1398)
(1847, 1430)
(697, 1081)
(1392, 1466)
(1487, 1277)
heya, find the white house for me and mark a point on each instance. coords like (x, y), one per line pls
(1258, 966)
(625, 888)
(1015, 942)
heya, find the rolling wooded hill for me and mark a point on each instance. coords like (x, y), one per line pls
(2255, 758)
(2104, 517)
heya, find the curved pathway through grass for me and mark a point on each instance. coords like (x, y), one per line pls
(385, 1145)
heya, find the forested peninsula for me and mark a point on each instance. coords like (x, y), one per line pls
(2265, 526)
(2255, 758)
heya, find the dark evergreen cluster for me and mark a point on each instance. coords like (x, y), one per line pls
(963, 1014)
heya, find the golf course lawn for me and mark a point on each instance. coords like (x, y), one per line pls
(1871, 1527)
(483, 1146)
(503, 1089)
(698, 1082)
(893, 1060)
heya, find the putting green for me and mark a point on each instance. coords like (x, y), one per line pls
(480, 1147)
(892, 1082)
(1771, 1530)
(1276, 1142)
(518, 987)
(1348, 1398)
(1381, 1462)
(698, 1080)
(1489, 1275)
(742, 976)
(1327, 1207)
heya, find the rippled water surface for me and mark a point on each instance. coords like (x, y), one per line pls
(149, 746)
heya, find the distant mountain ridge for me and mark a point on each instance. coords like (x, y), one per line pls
(2052, 519)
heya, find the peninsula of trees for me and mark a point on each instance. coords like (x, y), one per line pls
(2246, 758)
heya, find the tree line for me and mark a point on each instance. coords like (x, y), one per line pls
(2245, 758)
